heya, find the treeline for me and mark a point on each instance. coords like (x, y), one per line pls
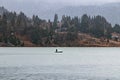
(96, 26)
(52, 33)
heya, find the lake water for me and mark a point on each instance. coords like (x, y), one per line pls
(73, 64)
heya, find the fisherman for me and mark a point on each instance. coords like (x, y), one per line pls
(56, 50)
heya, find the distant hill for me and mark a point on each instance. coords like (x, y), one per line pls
(110, 11)
(2, 10)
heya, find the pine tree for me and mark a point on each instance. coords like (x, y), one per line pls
(55, 21)
(85, 24)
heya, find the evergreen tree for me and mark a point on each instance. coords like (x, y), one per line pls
(36, 21)
(55, 21)
(85, 24)
(101, 27)
(116, 28)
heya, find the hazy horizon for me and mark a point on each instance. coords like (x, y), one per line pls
(23, 5)
(67, 2)
(46, 9)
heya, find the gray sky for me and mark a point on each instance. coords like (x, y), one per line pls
(18, 5)
(40, 7)
(81, 1)
(23, 5)
(60, 1)
(69, 0)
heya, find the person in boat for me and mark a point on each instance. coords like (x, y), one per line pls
(56, 50)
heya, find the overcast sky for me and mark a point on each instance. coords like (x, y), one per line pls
(18, 4)
(36, 7)
(61, 1)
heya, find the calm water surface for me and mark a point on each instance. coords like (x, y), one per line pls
(73, 64)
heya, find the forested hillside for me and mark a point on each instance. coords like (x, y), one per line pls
(20, 30)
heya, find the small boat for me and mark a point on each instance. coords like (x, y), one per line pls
(58, 51)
